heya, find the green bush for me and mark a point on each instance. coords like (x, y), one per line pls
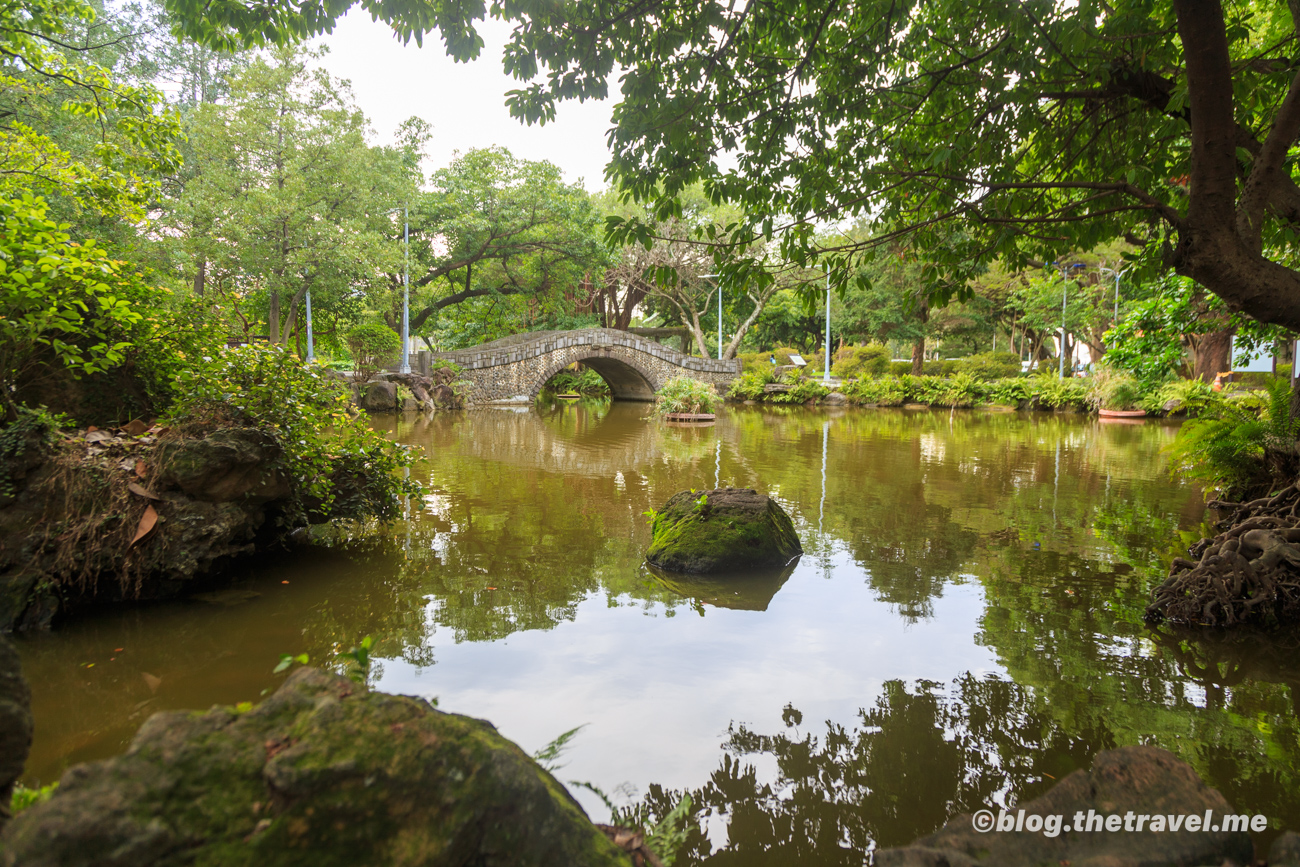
(1111, 389)
(1058, 393)
(338, 466)
(1008, 392)
(683, 394)
(585, 382)
(81, 332)
(962, 390)
(374, 346)
(857, 361)
(802, 390)
(1194, 397)
(1242, 448)
(749, 385)
(885, 391)
(988, 366)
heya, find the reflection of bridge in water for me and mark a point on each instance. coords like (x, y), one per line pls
(583, 443)
(514, 369)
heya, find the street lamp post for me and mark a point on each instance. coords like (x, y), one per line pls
(1117, 274)
(404, 366)
(311, 344)
(826, 373)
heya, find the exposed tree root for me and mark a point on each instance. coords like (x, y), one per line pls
(1249, 573)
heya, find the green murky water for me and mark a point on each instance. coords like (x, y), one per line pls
(963, 629)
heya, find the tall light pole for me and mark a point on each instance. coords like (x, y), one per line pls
(826, 373)
(1117, 274)
(719, 320)
(404, 366)
(311, 344)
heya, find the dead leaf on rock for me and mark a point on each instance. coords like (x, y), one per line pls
(141, 492)
(150, 681)
(148, 523)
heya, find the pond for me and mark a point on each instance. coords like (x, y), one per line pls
(963, 629)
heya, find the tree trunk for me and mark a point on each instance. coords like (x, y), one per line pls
(200, 277)
(1212, 352)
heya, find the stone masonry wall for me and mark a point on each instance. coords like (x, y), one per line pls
(515, 369)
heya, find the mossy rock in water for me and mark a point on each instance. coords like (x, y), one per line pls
(322, 773)
(722, 530)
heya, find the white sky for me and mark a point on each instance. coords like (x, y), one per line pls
(464, 102)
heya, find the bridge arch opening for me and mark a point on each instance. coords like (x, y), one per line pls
(626, 380)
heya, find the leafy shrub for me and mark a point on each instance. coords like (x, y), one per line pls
(802, 390)
(338, 466)
(1194, 397)
(749, 385)
(900, 368)
(1242, 448)
(1059, 393)
(989, 366)
(683, 394)
(955, 391)
(1110, 389)
(855, 361)
(885, 391)
(81, 332)
(1008, 392)
(374, 346)
(586, 382)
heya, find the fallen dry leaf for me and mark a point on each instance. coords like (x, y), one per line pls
(139, 491)
(141, 469)
(135, 427)
(98, 436)
(152, 682)
(148, 523)
(91, 429)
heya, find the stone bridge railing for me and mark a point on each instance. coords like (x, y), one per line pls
(514, 369)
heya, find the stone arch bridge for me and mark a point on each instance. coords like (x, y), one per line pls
(514, 369)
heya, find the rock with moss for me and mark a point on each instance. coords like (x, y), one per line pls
(724, 530)
(15, 724)
(1122, 785)
(323, 772)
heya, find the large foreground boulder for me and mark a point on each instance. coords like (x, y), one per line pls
(729, 529)
(1127, 782)
(321, 773)
(15, 724)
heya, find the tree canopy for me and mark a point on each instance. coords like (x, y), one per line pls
(1029, 127)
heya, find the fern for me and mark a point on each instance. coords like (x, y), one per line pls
(1241, 448)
